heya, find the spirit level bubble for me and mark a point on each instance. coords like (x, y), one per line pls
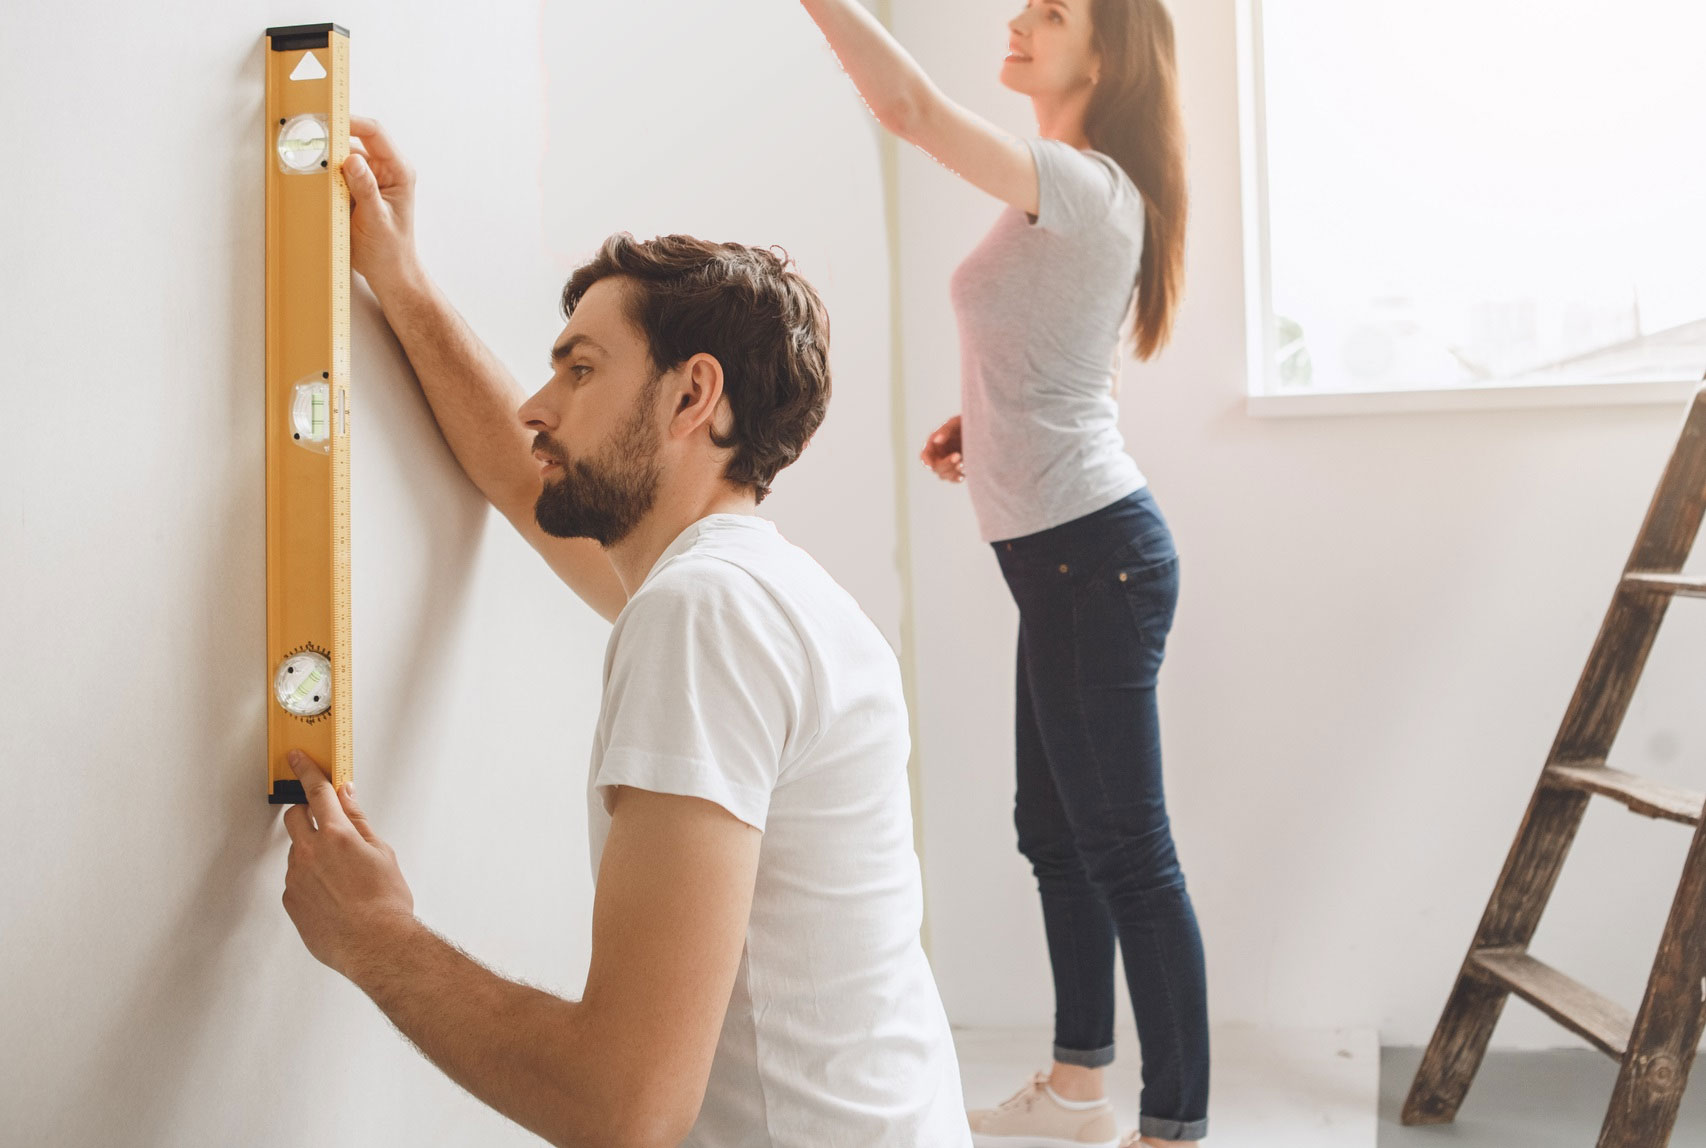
(303, 685)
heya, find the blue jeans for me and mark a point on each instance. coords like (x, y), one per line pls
(1096, 599)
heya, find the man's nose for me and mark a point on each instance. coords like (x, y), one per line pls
(535, 415)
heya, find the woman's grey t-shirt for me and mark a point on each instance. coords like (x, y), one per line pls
(1041, 306)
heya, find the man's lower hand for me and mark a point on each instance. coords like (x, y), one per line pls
(342, 888)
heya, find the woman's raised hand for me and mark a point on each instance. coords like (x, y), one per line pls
(941, 452)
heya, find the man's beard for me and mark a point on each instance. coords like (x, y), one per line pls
(603, 498)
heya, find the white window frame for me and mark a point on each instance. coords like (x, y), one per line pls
(1263, 398)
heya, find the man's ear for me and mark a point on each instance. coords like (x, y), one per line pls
(698, 396)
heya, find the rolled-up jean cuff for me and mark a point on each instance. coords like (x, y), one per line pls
(1095, 1058)
(1172, 1129)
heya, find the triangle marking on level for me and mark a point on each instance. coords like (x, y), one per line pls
(309, 69)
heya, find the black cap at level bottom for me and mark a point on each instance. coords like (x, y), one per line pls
(287, 791)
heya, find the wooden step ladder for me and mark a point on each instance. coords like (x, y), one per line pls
(1655, 1046)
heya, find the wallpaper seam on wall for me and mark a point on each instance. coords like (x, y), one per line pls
(888, 159)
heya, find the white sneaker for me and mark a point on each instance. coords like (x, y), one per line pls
(1034, 1117)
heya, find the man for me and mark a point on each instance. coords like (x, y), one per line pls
(756, 974)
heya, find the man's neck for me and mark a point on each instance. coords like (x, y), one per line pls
(674, 512)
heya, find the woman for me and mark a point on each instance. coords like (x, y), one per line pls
(1094, 232)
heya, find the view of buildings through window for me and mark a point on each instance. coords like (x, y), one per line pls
(1473, 193)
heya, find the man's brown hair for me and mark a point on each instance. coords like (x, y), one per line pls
(747, 308)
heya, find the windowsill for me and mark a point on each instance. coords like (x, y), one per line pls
(1469, 399)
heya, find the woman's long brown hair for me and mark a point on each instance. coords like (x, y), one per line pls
(1135, 118)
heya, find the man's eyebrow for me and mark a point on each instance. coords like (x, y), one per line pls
(558, 354)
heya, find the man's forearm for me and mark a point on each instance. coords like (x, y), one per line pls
(472, 395)
(526, 1053)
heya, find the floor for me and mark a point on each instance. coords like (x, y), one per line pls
(1271, 1089)
(1523, 1100)
(1339, 1090)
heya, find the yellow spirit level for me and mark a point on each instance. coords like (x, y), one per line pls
(307, 424)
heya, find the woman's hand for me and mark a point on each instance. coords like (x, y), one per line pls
(941, 452)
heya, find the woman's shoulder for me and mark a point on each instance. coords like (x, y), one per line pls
(1083, 184)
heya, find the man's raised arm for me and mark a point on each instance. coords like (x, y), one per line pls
(472, 395)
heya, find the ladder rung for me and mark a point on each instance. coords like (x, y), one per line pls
(1648, 798)
(1604, 1023)
(1683, 585)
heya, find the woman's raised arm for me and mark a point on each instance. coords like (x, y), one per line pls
(905, 102)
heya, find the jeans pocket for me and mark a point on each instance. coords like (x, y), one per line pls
(1151, 594)
(1122, 615)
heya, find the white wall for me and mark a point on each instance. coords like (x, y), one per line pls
(1381, 623)
(156, 993)
(736, 123)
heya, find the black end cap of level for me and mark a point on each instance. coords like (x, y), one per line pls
(299, 36)
(287, 792)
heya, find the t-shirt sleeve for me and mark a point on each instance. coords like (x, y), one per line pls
(1074, 189)
(708, 691)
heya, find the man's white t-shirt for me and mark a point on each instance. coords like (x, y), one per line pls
(741, 673)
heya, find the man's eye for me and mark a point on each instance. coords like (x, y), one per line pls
(579, 370)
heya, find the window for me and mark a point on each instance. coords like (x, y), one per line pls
(1476, 193)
